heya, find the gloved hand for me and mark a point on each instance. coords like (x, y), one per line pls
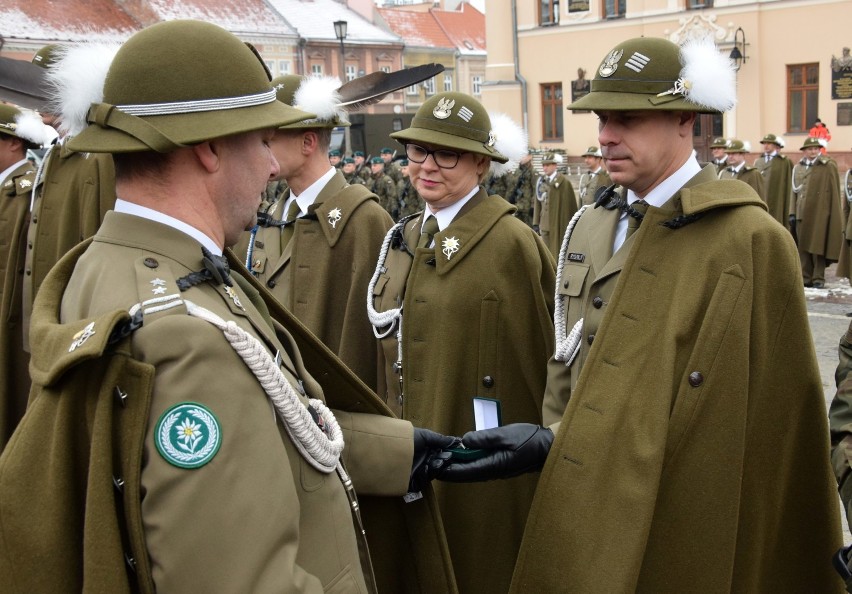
(512, 450)
(430, 457)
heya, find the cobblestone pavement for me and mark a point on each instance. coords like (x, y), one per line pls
(827, 309)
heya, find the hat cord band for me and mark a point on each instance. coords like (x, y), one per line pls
(621, 85)
(108, 116)
(175, 107)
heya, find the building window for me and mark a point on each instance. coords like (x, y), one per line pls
(551, 109)
(548, 12)
(413, 90)
(476, 85)
(429, 86)
(448, 82)
(316, 69)
(283, 67)
(614, 9)
(802, 96)
(384, 68)
(350, 72)
(693, 4)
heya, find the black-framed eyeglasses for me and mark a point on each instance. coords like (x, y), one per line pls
(444, 158)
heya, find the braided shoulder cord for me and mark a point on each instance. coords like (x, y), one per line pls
(385, 319)
(567, 346)
(846, 183)
(321, 448)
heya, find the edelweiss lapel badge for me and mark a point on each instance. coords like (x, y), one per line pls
(82, 336)
(334, 215)
(610, 64)
(443, 110)
(234, 297)
(450, 246)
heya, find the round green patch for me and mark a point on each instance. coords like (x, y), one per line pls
(188, 435)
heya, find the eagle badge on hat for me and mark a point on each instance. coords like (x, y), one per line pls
(444, 108)
(610, 63)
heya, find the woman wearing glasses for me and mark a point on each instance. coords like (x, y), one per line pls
(461, 303)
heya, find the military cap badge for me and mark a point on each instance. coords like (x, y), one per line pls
(444, 108)
(610, 63)
(188, 435)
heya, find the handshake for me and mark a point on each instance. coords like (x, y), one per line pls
(498, 453)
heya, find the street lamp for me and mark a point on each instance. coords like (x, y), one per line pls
(738, 56)
(340, 28)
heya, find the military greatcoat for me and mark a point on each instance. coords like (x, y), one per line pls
(322, 274)
(255, 516)
(70, 201)
(476, 322)
(553, 212)
(15, 194)
(748, 175)
(818, 209)
(589, 184)
(692, 454)
(777, 175)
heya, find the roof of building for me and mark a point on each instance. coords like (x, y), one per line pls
(313, 20)
(417, 29)
(464, 27)
(237, 16)
(69, 20)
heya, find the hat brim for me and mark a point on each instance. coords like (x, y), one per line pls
(618, 101)
(449, 141)
(188, 129)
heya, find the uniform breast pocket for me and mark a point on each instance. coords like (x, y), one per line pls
(573, 278)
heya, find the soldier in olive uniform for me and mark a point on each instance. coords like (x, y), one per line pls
(382, 186)
(334, 158)
(391, 166)
(193, 446)
(498, 185)
(596, 177)
(522, 189)
(555, 203)
(816, 212)
(737, 168)
(409, 200)
(20, 130)
(777, 172)
(717, 149)
(362, 168)
(461, 298)
(315, 249)
(348, 171)
(684, 389)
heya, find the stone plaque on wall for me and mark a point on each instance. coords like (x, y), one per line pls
(841, 75)
(844, 114)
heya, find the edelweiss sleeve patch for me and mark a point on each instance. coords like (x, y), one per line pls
(188, 435)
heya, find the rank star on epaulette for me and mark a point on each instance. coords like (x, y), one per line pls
(25, 183)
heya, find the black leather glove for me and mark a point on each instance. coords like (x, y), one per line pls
(430, 457)
(512, 450)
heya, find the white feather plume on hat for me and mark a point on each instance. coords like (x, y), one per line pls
(510, 140)
(76, 80)
(779, 140)
(708, 77)
(30, 127)
(319, 95)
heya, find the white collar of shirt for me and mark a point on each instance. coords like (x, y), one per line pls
(306, 198)
(737, 168)
(123, 206)
(596, 171)
(446, 215)
(9, 170)
(658, 196)
(553, 175)
(770, 155)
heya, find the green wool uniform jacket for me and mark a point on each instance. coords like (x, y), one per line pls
(475, 323)
(818, 209)
(692, 453)
(777, 175)
(748, 175)
(553, 213)
(589, 184)
(321, 276)
(256, 517)
(69, 203)
(15, 194)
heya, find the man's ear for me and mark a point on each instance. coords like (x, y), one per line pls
(207, 154)
(687, 122)
(310, 142)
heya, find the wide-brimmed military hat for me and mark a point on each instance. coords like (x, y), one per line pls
(593, 151)
(811, 141)
(314, 94)
(772, 138)
(719, 143)
(23, 124)
(648, 73)
(552, 159)
(46, 55)
(737, 146)
(455, 121)
(177, 83)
